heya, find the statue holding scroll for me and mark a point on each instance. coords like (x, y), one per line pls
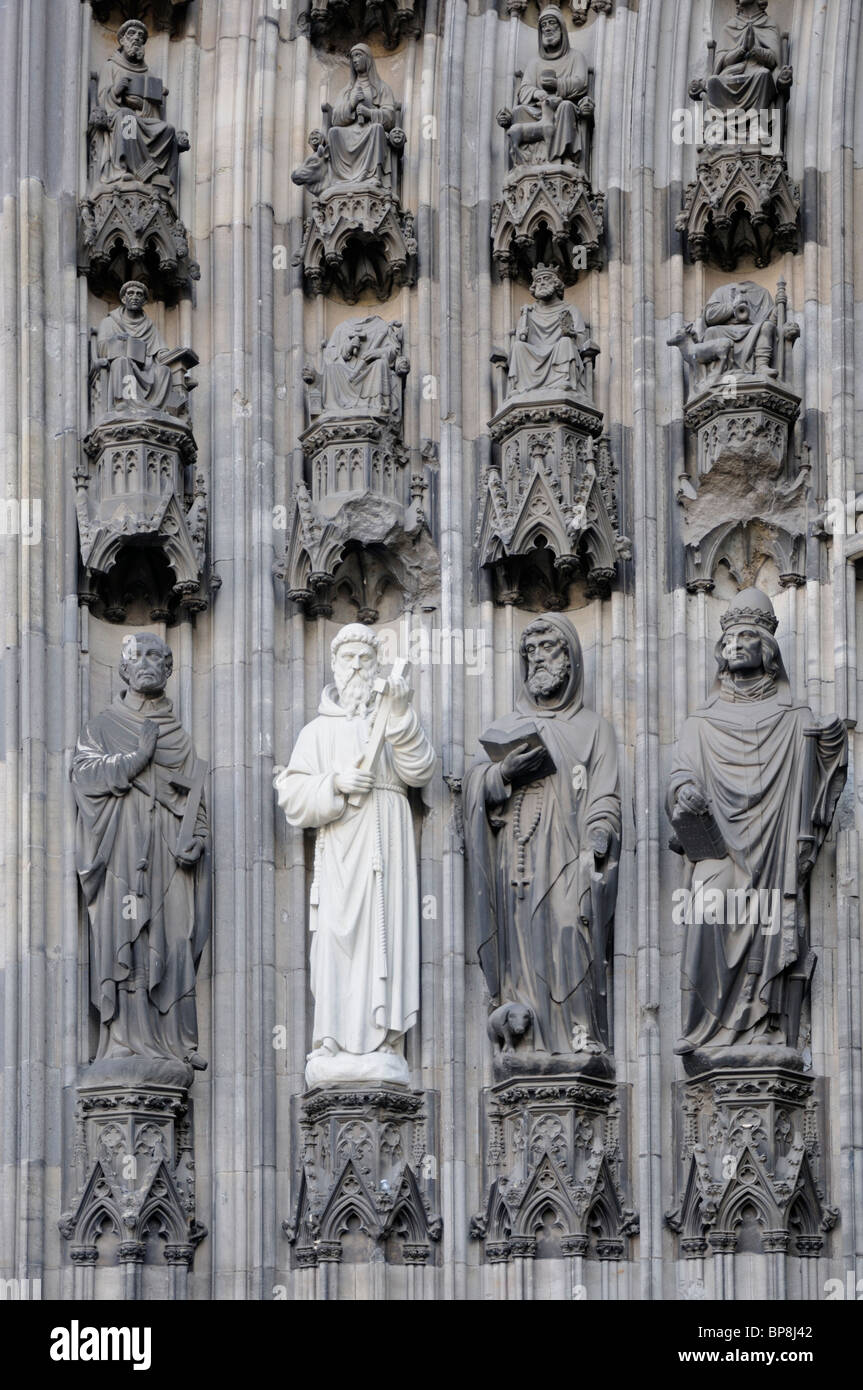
(140, 855)
(542, 831)
(751, 797)
(135, 146)
(348, 779)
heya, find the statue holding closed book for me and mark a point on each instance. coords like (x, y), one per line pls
(751, 798)
(133, 370)
(135, 147)
(542, 828)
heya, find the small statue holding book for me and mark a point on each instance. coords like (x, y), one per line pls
(751, 798)
(135, 146)
(542, 831)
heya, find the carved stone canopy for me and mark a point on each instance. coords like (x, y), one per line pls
(741, 205)
(165, 14)
(337, 23)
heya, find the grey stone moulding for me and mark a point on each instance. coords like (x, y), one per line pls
(338, 23)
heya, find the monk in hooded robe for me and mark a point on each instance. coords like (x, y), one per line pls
(547, 100)
(771, 789)
(357, 142)
(543, 851)
(146, 888)
(747, 59)
(138, 146)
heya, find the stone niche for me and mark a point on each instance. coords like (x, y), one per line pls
(129, 227)
(358, 531)
(548, 509)
(743, 489)
(357, 236)
(166, 15)
(365, 1183)
(338, 23)
(742, 203)
(140, 498)
(750, 1175)
(553, 1160)
(548, 211)
(135, 1171)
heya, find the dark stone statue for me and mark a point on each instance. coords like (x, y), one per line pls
(542, 831)
(552, 102)
(747, 72)
(140, 855)
(752, 794)
(136, 147)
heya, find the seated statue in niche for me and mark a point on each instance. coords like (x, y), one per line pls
(747, 73)
(362, 129)
(542, 832)
(363, 370)
(751, 797)
(738, 333)
(134, 146)
(546, 350)
(134, 368)
(141, 842)
(548, 123)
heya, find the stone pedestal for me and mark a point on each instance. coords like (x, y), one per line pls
(137, 491)
(740, 204)
(749, 1145)
(345, 21)
(554, 1168)
(549, 510)
(365, 1181)
(135, 234)
(357, 238)
(135, 1169)
(547, 213)
(165, 14)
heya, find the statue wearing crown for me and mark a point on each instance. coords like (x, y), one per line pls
(752, 794)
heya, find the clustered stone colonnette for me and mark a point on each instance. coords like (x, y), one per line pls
(540, 805)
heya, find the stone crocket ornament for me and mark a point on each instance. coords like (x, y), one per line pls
(542, 835)
(751, 798)
(140, 855)
(348, 780)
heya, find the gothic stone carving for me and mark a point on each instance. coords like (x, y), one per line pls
(742, 202)
(332, 21)
(743, 480)
(361, 497)
(579, 9)
(129, 223)
(166, 14)
(365, 1159)
(348, 779)
(548, 210)
(357, 237)
(135, 1171)
(749, 1168)
(548, 510)
(747, 963)
(542, 834)
(136, 486)
(144, 873)
(554, 1163)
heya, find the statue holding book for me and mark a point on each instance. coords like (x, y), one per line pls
(133, 371)
(136, 148)
(542, 831)
(751, 798)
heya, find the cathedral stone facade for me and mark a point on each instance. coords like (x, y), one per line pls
(431, 828)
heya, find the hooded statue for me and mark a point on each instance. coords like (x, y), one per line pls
(542, 831)
(359, 150)
(747, 63)
(547, 103)
(751, 797)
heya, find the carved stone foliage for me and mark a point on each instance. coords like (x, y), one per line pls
(364, 1166)
(140, 499)
(742, 202)
(554, 1167)
(129, 225)
(742, 478)
(749, 1167)
(548, 510)
(336, 22)
(357, 236)
(358, 527)
(548, 211)
(165, 14)
(135, 1170)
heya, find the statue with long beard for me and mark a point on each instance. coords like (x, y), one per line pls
(364, 901)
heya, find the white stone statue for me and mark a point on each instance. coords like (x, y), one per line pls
(348, 779)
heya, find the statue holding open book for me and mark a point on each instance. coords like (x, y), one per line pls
(542, 830)
(348, 780)
(751, 798)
